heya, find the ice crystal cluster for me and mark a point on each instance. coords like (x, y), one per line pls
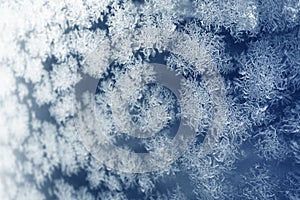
(148, 99)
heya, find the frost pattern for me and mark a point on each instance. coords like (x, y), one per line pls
(48, 47)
